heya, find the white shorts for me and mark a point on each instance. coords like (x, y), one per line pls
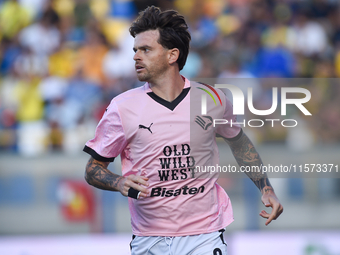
(204, 244)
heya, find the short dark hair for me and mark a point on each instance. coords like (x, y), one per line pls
(173, 30)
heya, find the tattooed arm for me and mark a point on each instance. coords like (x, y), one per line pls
(246, 155)
(100, 177)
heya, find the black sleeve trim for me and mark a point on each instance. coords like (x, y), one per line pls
(236, 137)
(96, 156)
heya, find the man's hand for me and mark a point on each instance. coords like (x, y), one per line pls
(99, 176)
(136, 182)
(269, 199)
(246, 155)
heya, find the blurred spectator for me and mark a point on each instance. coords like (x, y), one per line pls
(63, 62)
(308, 37)
(273, 62)
(10, 50)
(82, 13)
(29, 64)
(13, 17)
(334, 17)
(118, 62)
(8, 111)
(43, 37)
(52, 88)
(32, 131)
(234, 74)
(122, 9)
(30, 107)
(64, 8)
(91, 55)
(35, 7)
(193, 65)
(203, 31)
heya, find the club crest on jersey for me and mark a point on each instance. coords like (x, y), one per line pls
(204, 122)
(144, 127)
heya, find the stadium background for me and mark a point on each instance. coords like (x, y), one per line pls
(62, 61)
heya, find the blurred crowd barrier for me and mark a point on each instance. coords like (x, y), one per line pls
(49, 195)
(62, 61)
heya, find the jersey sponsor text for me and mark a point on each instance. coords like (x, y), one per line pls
(164, 192)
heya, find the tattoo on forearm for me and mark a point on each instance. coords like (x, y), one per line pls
(246, 155)
(100, 177)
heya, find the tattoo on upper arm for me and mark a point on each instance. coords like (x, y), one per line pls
(99, 176)
(246, 155)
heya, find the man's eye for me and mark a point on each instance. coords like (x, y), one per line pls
(146, 50)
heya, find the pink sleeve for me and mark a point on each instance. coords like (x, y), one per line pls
(109, 140)
(226, 130)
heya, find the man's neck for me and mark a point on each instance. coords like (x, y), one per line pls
(168, 87)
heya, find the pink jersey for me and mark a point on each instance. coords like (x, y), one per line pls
(165, 141)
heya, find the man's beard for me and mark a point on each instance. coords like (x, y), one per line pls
(144, 76)
(156, 70)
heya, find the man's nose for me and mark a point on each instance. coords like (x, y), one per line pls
(137, 55)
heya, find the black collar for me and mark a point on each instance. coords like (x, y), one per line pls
(170, 105)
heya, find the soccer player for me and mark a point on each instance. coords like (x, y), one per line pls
(161, 137)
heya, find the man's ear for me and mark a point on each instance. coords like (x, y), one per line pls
(173, 55)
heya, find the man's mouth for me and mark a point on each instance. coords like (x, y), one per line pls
(139, 68)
